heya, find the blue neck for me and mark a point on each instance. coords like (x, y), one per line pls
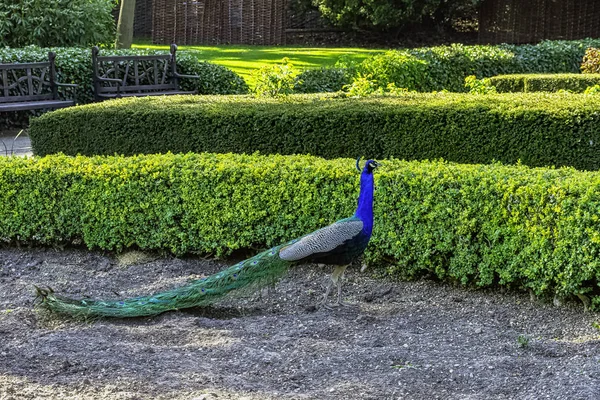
(364, 211)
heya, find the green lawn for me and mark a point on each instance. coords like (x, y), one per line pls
(244, 59)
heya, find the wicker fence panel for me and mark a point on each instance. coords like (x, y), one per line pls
(517, 21)
(219, 21)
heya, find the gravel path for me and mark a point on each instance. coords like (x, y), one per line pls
(14, 143)
(417, 340)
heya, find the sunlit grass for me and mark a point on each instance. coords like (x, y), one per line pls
(244, 59)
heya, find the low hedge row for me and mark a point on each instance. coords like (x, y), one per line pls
(540, 129)
(446, 67)
(576, 83)
(476, 224)
(322, 80)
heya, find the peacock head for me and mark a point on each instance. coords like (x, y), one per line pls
(369, 167)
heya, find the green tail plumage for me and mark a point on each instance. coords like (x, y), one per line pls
(258, 271)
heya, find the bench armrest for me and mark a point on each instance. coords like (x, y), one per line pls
(117, 81)
(178, 75)
(66, 84)
(71, 86)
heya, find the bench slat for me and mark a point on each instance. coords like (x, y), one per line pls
(131, 58)
(170, 92)
(16, 99)
(4, 82)
(111, 89)
(136, 72)
(29, 82)
(24, 65)
(32, 105)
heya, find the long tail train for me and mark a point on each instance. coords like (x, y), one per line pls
(258, 271)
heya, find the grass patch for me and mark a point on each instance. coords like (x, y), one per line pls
(244, 59)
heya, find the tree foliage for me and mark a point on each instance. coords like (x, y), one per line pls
(48, 23)
(384, 15)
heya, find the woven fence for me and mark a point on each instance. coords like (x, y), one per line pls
(518, 21)
(219, 21)
(272, 22)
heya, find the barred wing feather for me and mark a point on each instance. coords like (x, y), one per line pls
(322, 241)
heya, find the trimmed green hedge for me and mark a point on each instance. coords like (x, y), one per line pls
(446, 67)
(449, 65)
(576, 83)
(476, 224)
(539, 129)
(322, 80)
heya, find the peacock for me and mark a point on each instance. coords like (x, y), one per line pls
(338, 244)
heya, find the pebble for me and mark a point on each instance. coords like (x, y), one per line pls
(558, 333)
(207, 396)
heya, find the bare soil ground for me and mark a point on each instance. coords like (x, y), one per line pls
(416, 340)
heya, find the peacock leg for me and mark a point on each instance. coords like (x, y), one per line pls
(339, 284)
(336, 279)
(327, 291)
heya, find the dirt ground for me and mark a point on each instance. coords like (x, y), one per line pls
(416, 340)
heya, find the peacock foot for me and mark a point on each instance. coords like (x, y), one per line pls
(341, 303)
(327, 306)
(324, 304)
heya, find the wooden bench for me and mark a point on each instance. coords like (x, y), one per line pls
(125, 76)
(30, 86)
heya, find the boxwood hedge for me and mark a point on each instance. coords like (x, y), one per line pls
(576, 83)
(449, 65)
(427, 69)
(483, 225)
(540, 129)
